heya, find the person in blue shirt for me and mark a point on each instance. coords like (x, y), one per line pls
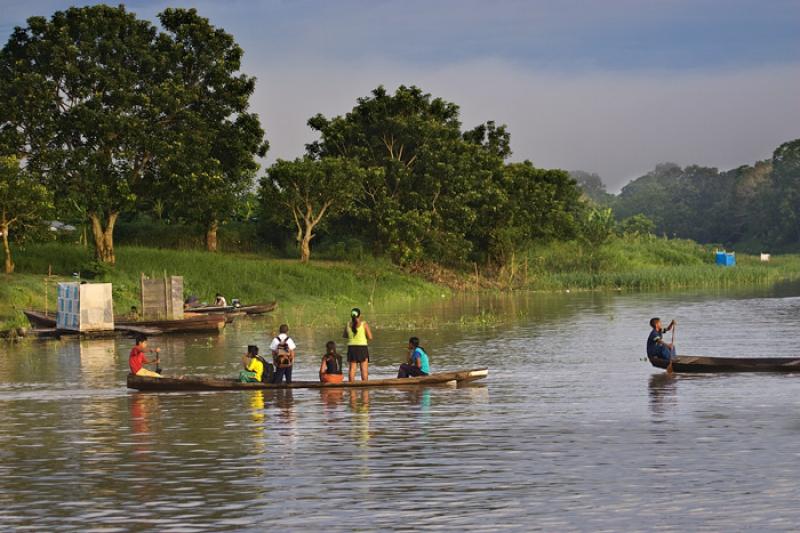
(656, 345)
(418, 363)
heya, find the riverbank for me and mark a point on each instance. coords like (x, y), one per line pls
(321, 292)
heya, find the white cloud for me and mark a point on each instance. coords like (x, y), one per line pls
(617, 124)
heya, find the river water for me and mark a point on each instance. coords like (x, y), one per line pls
(572, 430)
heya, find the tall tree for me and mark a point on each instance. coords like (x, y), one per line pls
(420, 202)
(213, 166)
(310, 190)
(82, 94)
(23, 203)
(786, 175)
(110, 111)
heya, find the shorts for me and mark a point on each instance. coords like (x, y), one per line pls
(357, 354)
(331, 378)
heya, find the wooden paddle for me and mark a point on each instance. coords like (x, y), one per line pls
(669, 366)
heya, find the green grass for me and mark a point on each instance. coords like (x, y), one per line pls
(649, 263)
(318, 293)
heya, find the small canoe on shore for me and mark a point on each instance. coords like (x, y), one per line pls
(702, 364)
(191, 324)
(199, 383)
(255, 309)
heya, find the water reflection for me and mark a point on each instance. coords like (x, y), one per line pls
(663, 391)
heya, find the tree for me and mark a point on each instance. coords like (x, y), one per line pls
(310, 190)
(786, 175)
(592, 186)
(638, 225)
(597, 228)
(424, 176)
(23, 203)
(110, 112)
(81, 94)
(213, 167)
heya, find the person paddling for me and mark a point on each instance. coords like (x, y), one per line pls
(418, 363)
(330, 369)
(137, 358)
(358, 335)
(657, 346)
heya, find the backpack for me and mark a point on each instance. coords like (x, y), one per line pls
(269, 370)
(282, 355)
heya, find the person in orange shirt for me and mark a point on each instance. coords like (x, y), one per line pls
(137, 359)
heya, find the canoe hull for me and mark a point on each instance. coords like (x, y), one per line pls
(194, 324)
(256, 309)
(197, 383)
(703, 364)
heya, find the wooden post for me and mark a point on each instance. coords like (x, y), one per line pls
(167, 313)
(141, 294)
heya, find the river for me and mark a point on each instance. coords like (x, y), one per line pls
(572, 430)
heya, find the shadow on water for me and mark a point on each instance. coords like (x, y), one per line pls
(663, 392)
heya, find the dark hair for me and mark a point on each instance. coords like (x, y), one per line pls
(414, 341)
(283, 329)
(218, 295)
(653, 321)
(355, 313)
(330, 348)
(140, 338)
(252, 349)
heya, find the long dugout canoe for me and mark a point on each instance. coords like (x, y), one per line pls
(703, 364)
(194, 324)
(199, 383)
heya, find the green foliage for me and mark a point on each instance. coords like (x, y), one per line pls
(636, 225)
(109, 112)
(24, 204)
(308, 190)
(597, 226)
(592, 186)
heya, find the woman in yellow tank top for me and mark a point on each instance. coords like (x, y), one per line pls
(358, 335)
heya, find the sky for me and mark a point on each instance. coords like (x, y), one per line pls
(606, 86)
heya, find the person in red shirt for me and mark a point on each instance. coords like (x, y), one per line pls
(137, 359)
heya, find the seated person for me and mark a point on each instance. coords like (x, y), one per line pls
(418, 364)
(191, 301)
(330, 370)
(283, 351)
(253, 366)
(137, 359)
(656, 346)
(220, 301)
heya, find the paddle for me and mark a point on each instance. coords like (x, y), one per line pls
(158, 360)
(669, 366)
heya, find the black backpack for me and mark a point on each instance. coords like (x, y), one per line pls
(269, 370)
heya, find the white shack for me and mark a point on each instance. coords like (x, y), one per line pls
(85, 307)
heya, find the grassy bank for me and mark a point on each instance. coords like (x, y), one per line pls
(315, 293)
(648, 263)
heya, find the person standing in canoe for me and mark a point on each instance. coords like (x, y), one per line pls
(253, 366)
(358, 335)
(283, 350)
(657, 346)
(137, 358)
(418, 363)
(330, 369)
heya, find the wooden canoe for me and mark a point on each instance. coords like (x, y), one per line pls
(199, 383)
(255, 309)
(194, 324)
(702, 364)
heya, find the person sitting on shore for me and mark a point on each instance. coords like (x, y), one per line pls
(220, 301)
(656, 346)
(137, 358)
(330, 370)
(283, 351)
(418, 363)
(253, 366)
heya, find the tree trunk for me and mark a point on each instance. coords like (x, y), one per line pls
(9, 264)
(211, 236)
(305, 246)
(104, 237)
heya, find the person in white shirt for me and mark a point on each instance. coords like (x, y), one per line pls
(283, 350)
(220, 301)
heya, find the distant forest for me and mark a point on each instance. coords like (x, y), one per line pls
(753, 207)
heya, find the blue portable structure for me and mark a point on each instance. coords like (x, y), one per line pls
(726, 258)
